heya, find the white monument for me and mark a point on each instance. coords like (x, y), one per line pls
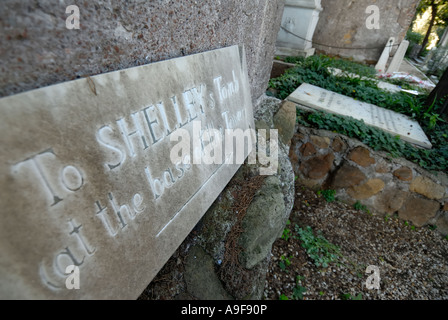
(299, 22)
(397, 60)
(381, 65)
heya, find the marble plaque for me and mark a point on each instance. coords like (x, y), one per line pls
(92, 203)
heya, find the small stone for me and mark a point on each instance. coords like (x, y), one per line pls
(445, 207)
(285, 121)
(390, 201)
(347, 176)
(321, 142)
(418, 210)
(317, 167)
(428, 188)
(367, 190)
(299, 137)
(361, 156)
(339, 145)
(307, 149)
(404, 174)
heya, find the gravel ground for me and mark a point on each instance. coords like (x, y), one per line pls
(413, 262)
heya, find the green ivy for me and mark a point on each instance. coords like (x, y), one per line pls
(435, 159)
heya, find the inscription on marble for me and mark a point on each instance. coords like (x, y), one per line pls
(87, 181)
(381, 118)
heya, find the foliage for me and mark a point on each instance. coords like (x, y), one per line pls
(286, 232)
(360, 207)
(435, 159)
(317, 247)
(348, 296)
(284, 262)
(414, 37)
(327, 194)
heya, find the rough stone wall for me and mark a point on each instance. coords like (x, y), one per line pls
(385, 185)
(37, 50)
(342, 23)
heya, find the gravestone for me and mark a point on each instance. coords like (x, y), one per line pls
(384, 58)
(89, 185)
(384, 119)
(397, 60)
(299, 21)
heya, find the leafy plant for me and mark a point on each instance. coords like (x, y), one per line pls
(327, 194)
(360, 207)
(435, 159)
(284, 262)
(317, 247)
(348, 296)
(283, 297)
(298, 290)
(287, 232)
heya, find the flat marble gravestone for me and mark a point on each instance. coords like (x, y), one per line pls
(384, 119)
(87, 179)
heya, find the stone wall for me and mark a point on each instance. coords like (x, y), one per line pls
(385, 185)
(342, 23)
(37, 50)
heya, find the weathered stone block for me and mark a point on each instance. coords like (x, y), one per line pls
(347, 176)
(404, 174)
(200, 277)
(361, 156)
(317, 167)
(367, 190)
(321, 142)
(307, 149)
(262, 223)
(390, 201)
(428, 188)
(285, 121)
(339, 145)
(418, 210)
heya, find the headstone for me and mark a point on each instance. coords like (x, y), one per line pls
(384, 119)
(397, 60)
(299, 21)
(89, 188)
(380, 84)
(382, 62)
(415, 51)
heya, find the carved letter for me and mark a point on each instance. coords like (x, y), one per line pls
(114, 150)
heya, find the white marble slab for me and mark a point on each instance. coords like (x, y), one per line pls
(87, 176)
(384, 119)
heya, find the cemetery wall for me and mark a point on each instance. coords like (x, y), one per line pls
(326, 160)
(346, 24)
(38, 50)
